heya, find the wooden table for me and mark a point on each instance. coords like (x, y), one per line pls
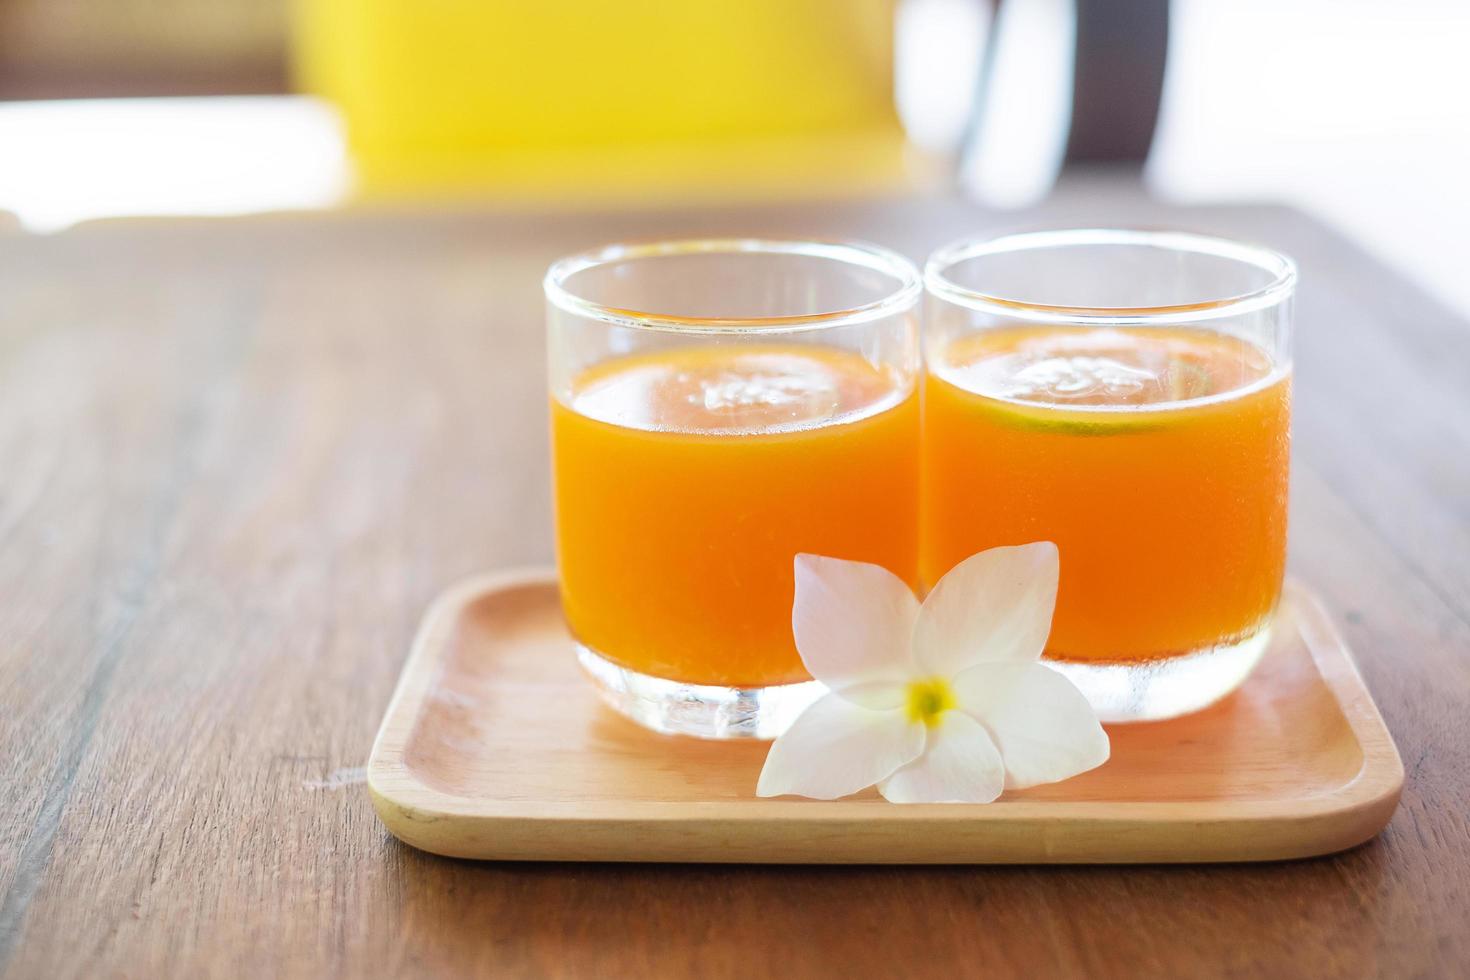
(238, 458)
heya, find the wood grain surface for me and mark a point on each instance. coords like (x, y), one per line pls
(239, 457)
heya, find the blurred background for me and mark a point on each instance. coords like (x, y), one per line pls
(1355, 110)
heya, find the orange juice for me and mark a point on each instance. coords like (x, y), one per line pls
(1155, 458)
(686, 481)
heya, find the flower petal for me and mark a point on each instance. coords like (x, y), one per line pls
(1044, 727)
(836, 748)
(960, 764)
(854, 627)
(996, 605)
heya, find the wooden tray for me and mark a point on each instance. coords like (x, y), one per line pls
(495, 746)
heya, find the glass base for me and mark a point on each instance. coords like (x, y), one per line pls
(700, 710)
(1153, 690)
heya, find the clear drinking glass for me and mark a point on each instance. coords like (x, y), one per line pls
(718, 407)
(1127, 395)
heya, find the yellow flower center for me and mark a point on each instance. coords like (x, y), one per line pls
(929, 699)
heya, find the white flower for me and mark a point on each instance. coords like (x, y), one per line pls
(945, 702)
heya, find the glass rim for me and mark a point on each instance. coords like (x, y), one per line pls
(905, 294)
(1281, 268)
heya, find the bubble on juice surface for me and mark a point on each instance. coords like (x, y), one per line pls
(717, 391)
(1103, 367)
(1077, 376)
(762, 387)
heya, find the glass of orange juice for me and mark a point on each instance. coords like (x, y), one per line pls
(718, 407)
(1127, 395)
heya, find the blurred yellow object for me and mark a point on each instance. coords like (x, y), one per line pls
(607, 98)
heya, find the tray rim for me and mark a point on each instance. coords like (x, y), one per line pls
(1323, 823)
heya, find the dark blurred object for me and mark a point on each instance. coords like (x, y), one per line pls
(103, 48)
(1117, 80)
(1118, 60)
